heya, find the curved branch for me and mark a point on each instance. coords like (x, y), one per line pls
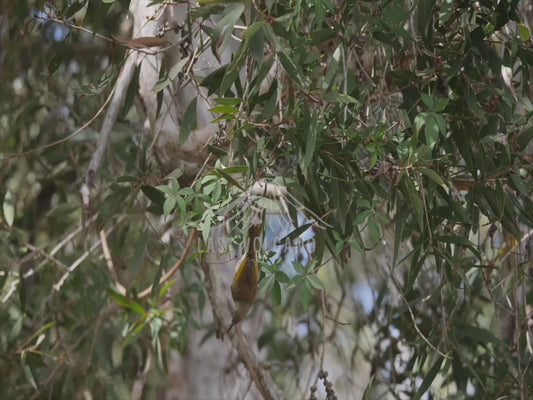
(175, 268)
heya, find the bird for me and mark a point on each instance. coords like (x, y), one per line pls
(246, 279)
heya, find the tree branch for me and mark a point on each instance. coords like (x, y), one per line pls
(117, 101)
(262, 379)
(175, 268)
(110, 265)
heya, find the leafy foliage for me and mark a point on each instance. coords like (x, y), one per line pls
(404, 126)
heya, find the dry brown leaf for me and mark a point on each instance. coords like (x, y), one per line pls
(142, 42)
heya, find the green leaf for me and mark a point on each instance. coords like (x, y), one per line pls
(306, 294)
(320, 11)
(177, 68)
(441, 124)
(276, 292)
(424, 21)
(112, 205)
(59, 52)
(478, 334)
(294, 234)
(299, 267)
(431, 131)
(9, 209)
(459, 240)
(139, 252)
(321, 35)
(224, 28)
(232, 73)
(169, 205)
(445, 11)
(22, 291)
(501, 14)
(369, 389)
(156, 197)
(74, 8)
(133, 89)
(416, 265)
(431, 175)
(212, 81)
(434, 104)
(126, 178)
(333, 97)
(165, 288)
(165, 189)
(420, 120)
(525, 137)
(253, 29)
(269, 108)
(427, 100)
(128, 303)
(28, 371)
(315, 282)
(310, 132)
(216, 150)
(474, 372)
(43, 329)
(382, 37)
(290, 67)
(182, 207)
(429, 378)
(281, 277)
(413, 200)
(162, 84)
(518, 184)
(266, 284)
(157, 278)
(153, 194)
(189, 121)
(226, 175)
(224, 109)
(524, 32)
(15, 330)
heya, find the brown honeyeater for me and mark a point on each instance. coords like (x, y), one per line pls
(246, 279)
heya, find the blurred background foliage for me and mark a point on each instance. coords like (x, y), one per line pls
(405, 125)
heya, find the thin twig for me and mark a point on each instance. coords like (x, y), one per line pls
(81, 128)
(512, 248)
(242, 348)
(175, 268)
(109, 261)
(413, 319)
(32, 271)
(323, 352)
(72, 268)
(45, 254)
(123, 43)
(140, 382)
